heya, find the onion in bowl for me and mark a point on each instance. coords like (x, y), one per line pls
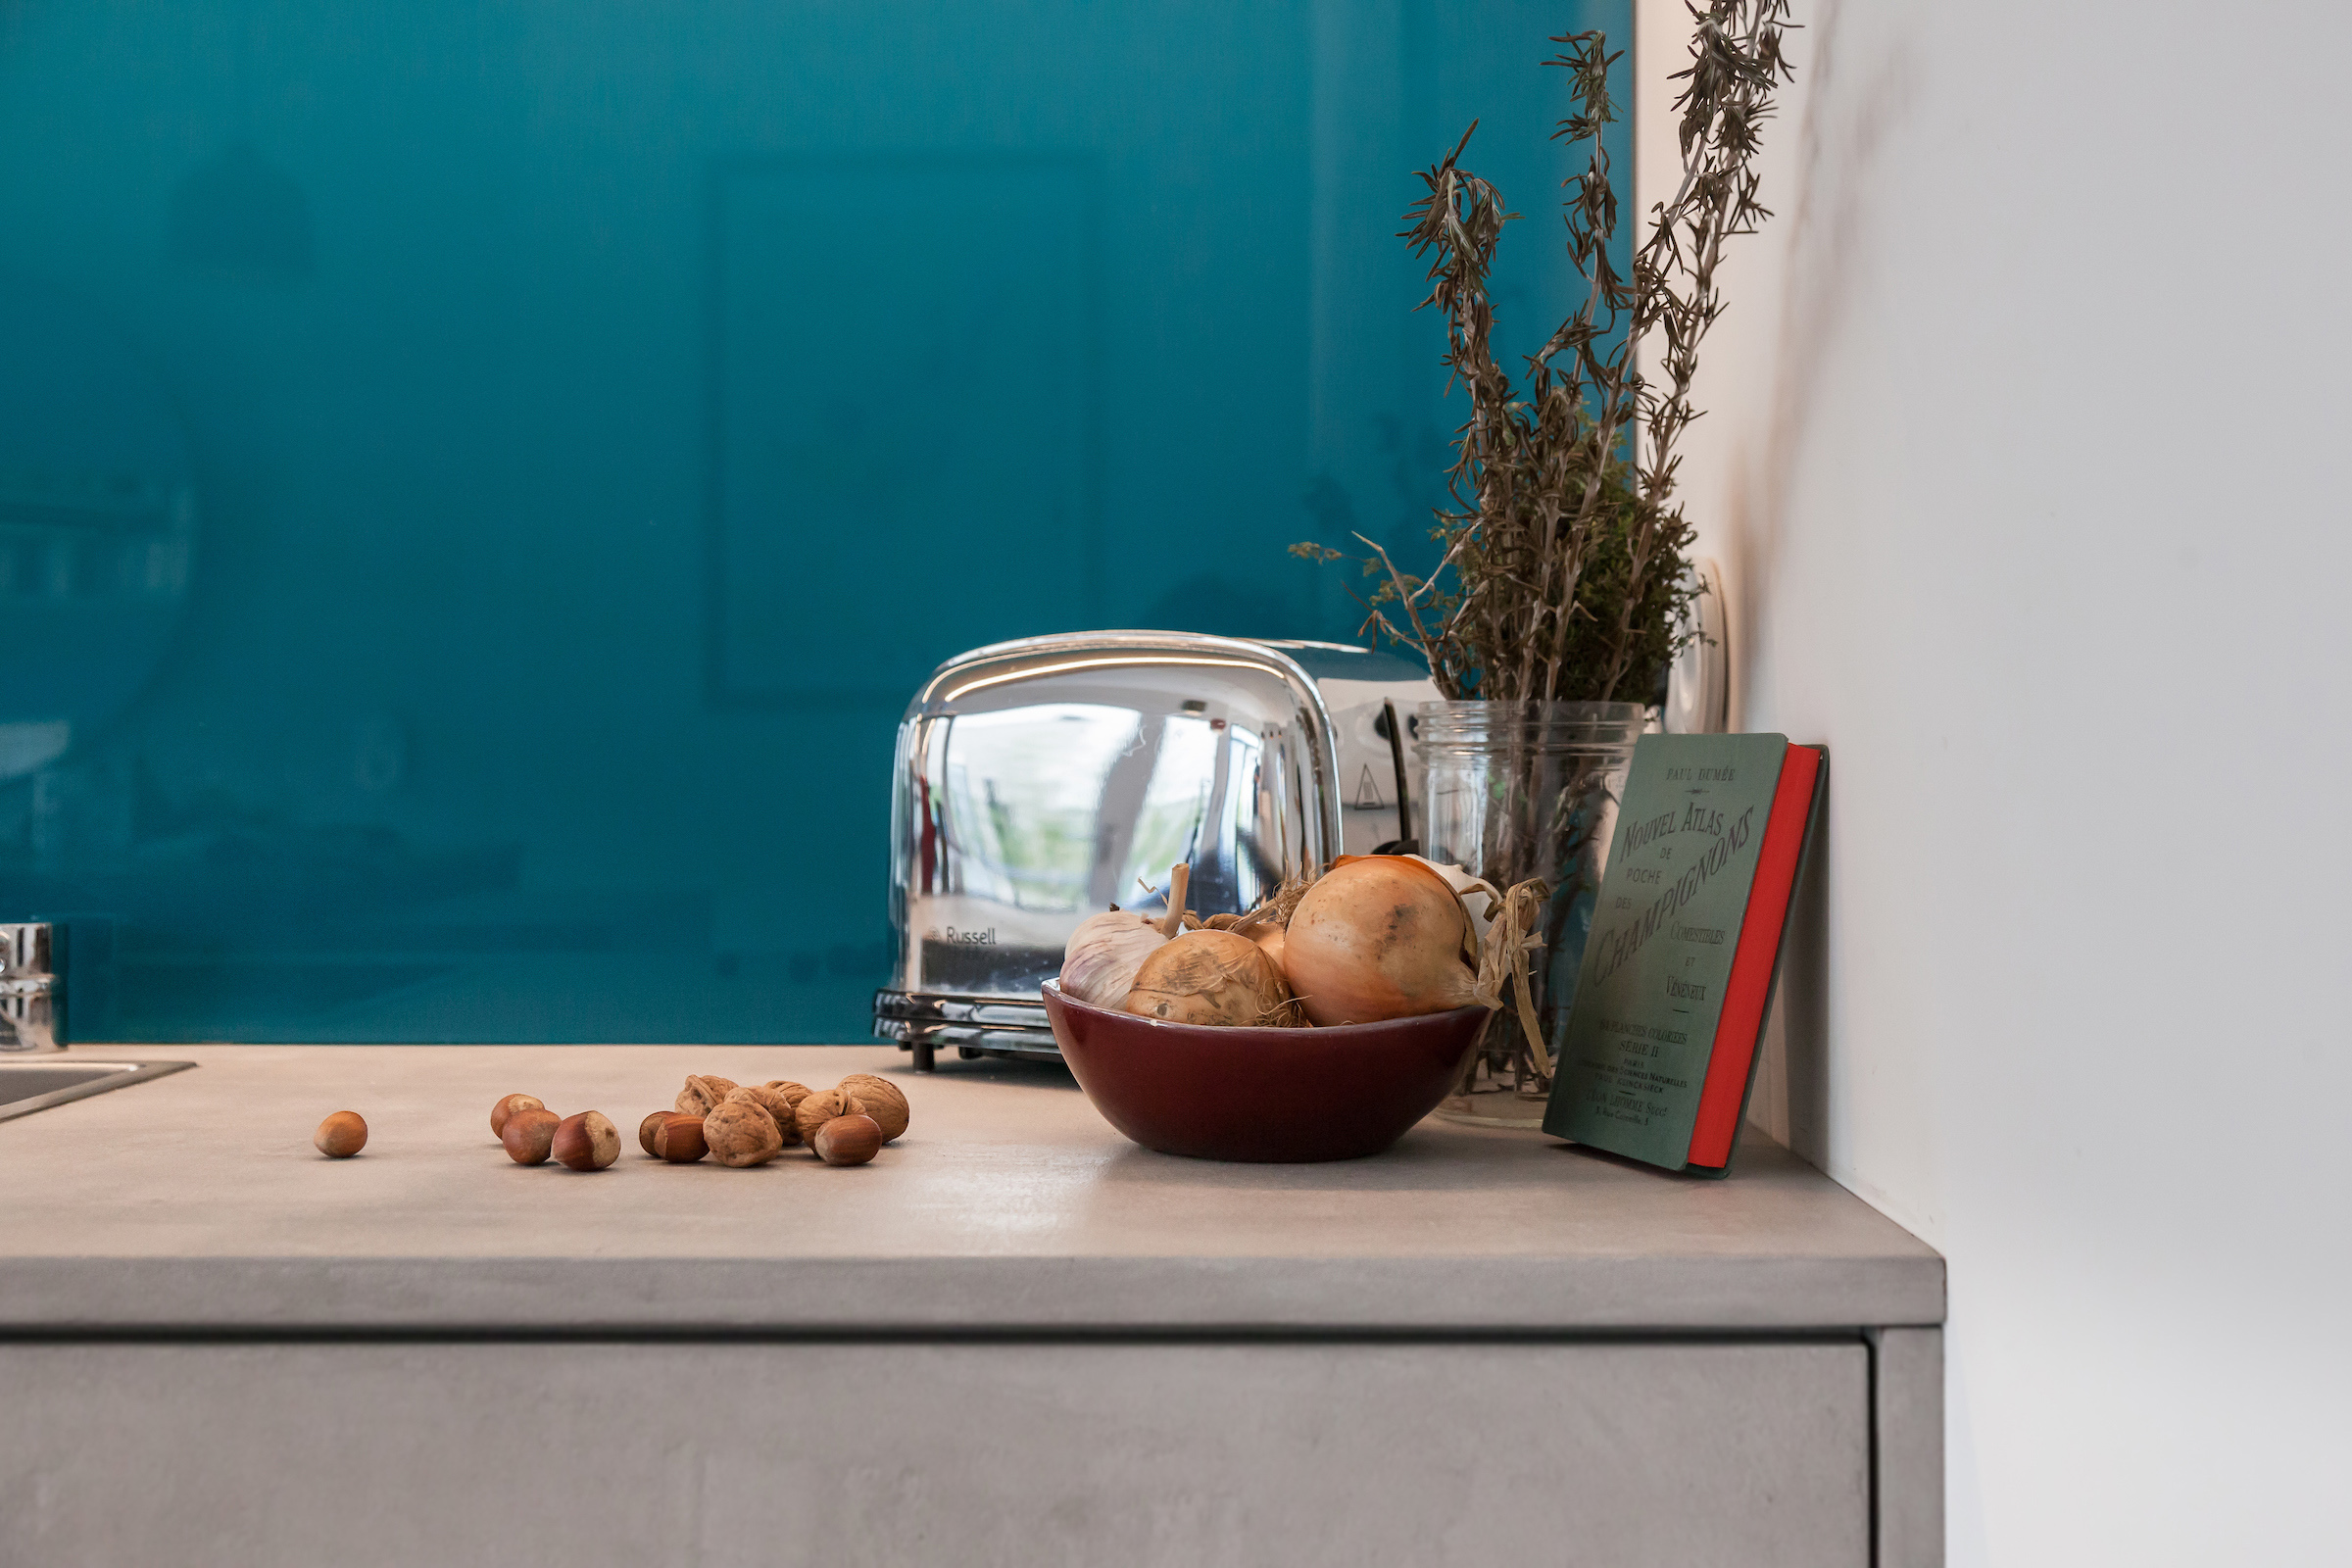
(1378, 937)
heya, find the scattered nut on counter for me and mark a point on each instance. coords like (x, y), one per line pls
(702, 1093)
(587, 1141)
(647, 1128)
(818, 1109)
(341, 1136)
(883, 1099)
(778, 1108)
(741, 1132)
(737, 1124)
(679, 1139)
(530, 1135)
(507, 1107)
(848, 1140)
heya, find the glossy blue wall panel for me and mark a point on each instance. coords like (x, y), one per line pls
(478, 483)
(912, 403)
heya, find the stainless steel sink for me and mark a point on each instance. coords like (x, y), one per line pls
(29, 1085)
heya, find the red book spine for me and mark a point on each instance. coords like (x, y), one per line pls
(1741, 1021)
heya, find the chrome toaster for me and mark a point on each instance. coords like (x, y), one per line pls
(1042, 782)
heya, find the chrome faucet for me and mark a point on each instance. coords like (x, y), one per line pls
(32, 1005)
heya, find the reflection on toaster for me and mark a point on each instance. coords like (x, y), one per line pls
(1043, 781)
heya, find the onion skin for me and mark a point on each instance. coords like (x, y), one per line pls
(1464, 885)
(1380, 936)
(1212, 977)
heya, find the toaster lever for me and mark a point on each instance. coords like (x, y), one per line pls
(1405, 843)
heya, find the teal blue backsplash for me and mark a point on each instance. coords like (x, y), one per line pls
(478, 483)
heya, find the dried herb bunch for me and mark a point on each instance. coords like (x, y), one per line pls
(1563, 570)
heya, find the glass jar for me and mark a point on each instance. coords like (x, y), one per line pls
(1512, 791)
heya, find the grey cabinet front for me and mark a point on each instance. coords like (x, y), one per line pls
(1185, 1452)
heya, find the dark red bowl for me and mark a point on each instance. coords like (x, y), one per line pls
(1266, 1094)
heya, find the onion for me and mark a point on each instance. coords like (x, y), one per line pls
(1463, 883)
(1270, 939)
(1099, 962)
(1212, 977)
(1381, 936)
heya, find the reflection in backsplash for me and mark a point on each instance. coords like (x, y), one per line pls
(478, 487)
(238, 218)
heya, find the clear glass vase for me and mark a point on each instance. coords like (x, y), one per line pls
(1512, 791)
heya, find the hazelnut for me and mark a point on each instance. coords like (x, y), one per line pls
(778, 1108)
(509, 1107)
(647, 1128)
(741, 1132)
(341, 1136)
(701, 1094)
(818, 1109)
(884, 1102)
(587, 1141)
(848, 1140)
(679, 1139)
(529, 1135)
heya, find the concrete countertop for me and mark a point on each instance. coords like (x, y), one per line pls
(195, 1201)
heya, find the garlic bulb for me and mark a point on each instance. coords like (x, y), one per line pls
(1100, 964)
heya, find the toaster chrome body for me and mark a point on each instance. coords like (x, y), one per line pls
(1043, 781)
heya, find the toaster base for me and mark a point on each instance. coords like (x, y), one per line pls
(975, 1027)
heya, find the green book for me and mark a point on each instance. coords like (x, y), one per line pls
(1660, 1047)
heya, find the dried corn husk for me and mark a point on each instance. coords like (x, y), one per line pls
(1503, 958)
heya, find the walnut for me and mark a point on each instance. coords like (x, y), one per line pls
(701, 1094)
(776, 1105)
(883, 1102)
(818, 1109)
(741, 1132)
(792, 1095)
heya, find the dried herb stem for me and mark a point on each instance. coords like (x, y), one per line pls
(1563, 571)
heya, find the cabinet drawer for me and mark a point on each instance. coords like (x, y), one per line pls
(963, 1453)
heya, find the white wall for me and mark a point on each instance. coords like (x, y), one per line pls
(2026, 460)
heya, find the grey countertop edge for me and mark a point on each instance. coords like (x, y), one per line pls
(488, 1296)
